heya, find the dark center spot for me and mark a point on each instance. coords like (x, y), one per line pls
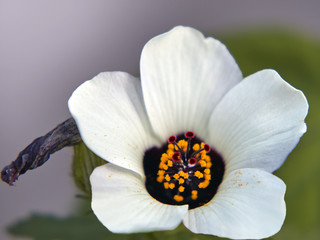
(185, 170)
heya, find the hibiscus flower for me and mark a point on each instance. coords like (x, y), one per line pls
(190, 141)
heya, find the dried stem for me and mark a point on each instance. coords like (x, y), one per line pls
(38, 152)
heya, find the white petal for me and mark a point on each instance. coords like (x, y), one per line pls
(183, 77)
(259, 122)
(249, 204)
(111, 118)
(122, 204)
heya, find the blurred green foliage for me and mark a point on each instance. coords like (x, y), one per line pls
(84, 161)
(297, 60)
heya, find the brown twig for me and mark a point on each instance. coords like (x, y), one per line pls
(38, 152)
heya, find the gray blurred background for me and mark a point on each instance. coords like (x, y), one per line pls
(48, 48)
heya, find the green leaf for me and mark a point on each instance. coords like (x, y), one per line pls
(84, 226)
(41, 227)
(84, 162)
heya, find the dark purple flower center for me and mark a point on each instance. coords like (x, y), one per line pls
(185, 170)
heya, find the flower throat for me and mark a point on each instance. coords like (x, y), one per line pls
(185, 170)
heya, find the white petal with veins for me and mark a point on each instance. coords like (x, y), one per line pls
(111, 118)
(249, 204)
(259, 122)
(183, 77)
(122, 203)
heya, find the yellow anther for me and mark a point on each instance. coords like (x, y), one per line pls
(196, 147)
(176, 176)
(202, 145)
(194, 194)
(209, 164)
(194, 197)
(204, 184)
(164, 157)
(171, 146)
(172, 185)
(170, 153)
(163, 166)
(167, 177)
(181, 189)
(178, 198)
(166, 185)
(170, 163)
(183, 174)
(202, 163)
(161, 172)
(182, 144)
(198, 174)
(207, 171)
(181, 180)
(207, 158)
(207, 176)
(160, 178)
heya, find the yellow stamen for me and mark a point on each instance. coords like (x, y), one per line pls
(163, 166)
(181, 181)
(166, 185)
(183, 174)
(194, 194)
(204, 184)
(170, 153)
(181, 189)
(194, 197)
(196, 147)
(207, 158)
(160, 178)
(207, 176)
(170, 163)
(198, 174)
(164, 157)
(171, 146)
(167, 177)
(202, 163)
(207, 171)
(178, 198)
(161, 172)
(182, 144)
(176, 176)
(172, 185)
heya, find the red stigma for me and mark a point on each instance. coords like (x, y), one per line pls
(192, 161)
(207, 148)
(172, 139)
(189, 134)
(176, 156)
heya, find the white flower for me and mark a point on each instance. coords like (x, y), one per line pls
(189, 83)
